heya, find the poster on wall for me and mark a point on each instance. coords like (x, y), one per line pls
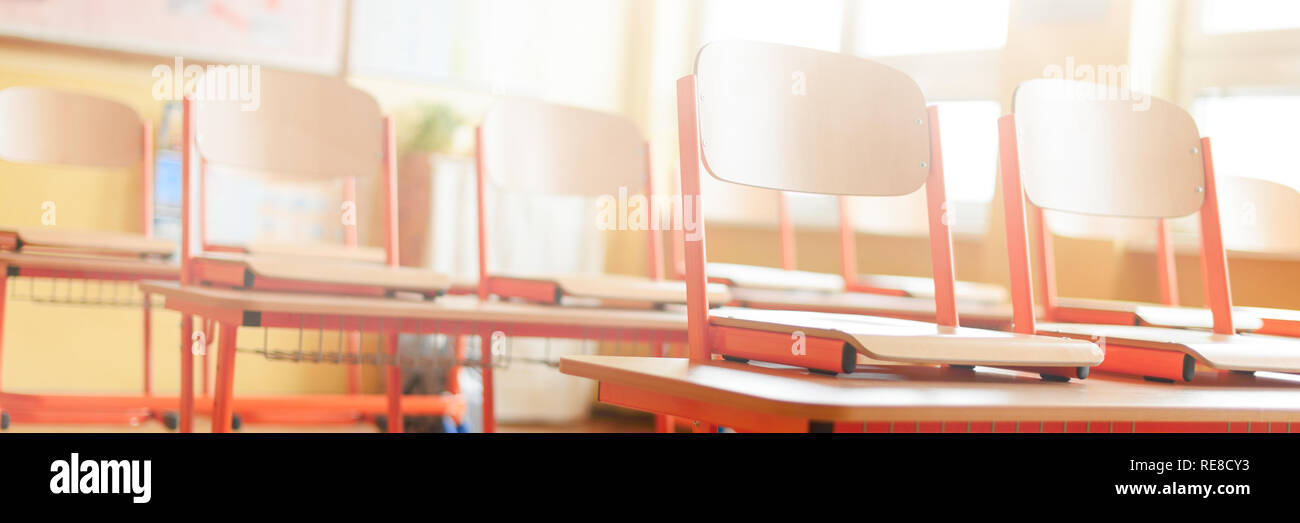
(304, 35)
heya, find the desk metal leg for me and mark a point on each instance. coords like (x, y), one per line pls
(354, 371)
(223, 407)
(485, 369)
(393, 382)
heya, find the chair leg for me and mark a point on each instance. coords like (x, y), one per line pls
(206, 389)
(485, 369)
(223, 408)
(148, 343)
(393, 383)
(187, 374)
(4, 295)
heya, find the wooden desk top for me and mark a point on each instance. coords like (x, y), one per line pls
(106, 265)
(318, 250)
(446, 308)
(92, 241)
(624, 288)
(925, 393)
(331, 270)
(1163, 315)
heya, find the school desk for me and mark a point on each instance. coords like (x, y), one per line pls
(454, 316)
(909, 398)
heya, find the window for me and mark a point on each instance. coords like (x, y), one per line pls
(406, 38)
(1252, 134)
(562, 51)
(969, 131)
(892, 27)
(1241, 16)
(814, 23)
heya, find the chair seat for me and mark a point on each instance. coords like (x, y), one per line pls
(922, 287)
(890, 339)
(1280, 322)
(92, 267)
(1154, 315)
(81, 241)
(319, 271)
(1244, 352)
(1269, 313)
(986, 315)
(307, 250)
(612, 287)
(771, 278)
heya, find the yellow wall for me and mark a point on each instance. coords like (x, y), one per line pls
(79, 348)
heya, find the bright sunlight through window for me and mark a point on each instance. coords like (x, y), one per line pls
(892, 27)
(810, 23)
(1252, 136)
(969, 130)
(1241, 16)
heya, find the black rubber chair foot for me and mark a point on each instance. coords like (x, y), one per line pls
(4, 420)
(236, 422)
(171, 419)
(735, 359)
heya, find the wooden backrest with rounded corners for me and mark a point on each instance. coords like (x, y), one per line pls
(301, 125)
(1259, 215)
(1107, 157)
(536, 147)
(42, 125)
(803, 120)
